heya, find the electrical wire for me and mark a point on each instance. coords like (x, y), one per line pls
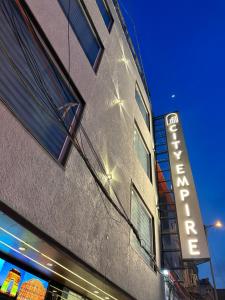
(101, 165)
(85, 159)
(103, 200)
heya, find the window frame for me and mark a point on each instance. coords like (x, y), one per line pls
(151, 217)
(99, 56)
(54, 59)
(110, 26)
(150, 175)
(137, 88)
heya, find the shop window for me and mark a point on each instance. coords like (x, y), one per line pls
(143, 223)
(16, 283)
(33, 85)
(84, 29)
(142, 152)
(105, 12)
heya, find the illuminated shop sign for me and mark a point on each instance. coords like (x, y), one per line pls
(19, 284)
(191, 230)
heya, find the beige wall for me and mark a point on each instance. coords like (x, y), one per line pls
(65, 203)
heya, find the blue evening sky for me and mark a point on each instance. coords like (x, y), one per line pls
(183, 51)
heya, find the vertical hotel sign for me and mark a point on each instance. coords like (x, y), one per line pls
(191, 229)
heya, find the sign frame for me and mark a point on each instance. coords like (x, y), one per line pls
(193, 241)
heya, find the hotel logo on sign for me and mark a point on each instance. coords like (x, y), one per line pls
(172, 119)
(192, 236)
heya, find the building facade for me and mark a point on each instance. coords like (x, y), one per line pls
(78, 187)
(206, 289)
(221, 294)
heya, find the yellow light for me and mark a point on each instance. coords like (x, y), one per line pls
(118, 101)
(125, 60)
(22, 248)
(109, 177)
(49, 264)
(218, 224)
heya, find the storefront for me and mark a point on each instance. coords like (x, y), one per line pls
(33, 269)
(17, 283)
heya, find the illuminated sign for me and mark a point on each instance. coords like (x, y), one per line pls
(191, 230)
(19, 284)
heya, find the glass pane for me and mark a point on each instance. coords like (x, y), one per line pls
(143, 223)
(105, 13)
(169, 225)
(31, 85)
(141, 105)
(142, 153)
(170, 242)
(82, 28)
(172, 260)
(69, 295)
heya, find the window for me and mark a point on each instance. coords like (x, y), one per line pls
(170, 242)
(142, 106)
(32, 86)
(143, 223)
(83, 29)
(105, 12)
(142, 152)
(172, 260)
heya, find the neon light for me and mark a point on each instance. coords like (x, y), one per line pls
(180, 169)
(172, 119)
(176, 144)
(190, 227)
(192, 246)
(173, 128)
(184, 194)
(177, 154)
(174, 135)
(187, 210)
(182, 181)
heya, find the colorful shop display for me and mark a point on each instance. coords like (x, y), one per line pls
(19, 284)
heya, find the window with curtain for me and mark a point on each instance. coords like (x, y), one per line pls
(142, 152)
(142, 106)
(106, 14)
(31, 85)
(84, 29)
(143, 222)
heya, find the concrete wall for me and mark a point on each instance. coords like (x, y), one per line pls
(65, 203)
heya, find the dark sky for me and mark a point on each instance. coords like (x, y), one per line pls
(183, 52)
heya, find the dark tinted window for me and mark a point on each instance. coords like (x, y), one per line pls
(143, 223)
(105, 12)
(142, 106)
(83, 29)
(31, 85)
(142, 152)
